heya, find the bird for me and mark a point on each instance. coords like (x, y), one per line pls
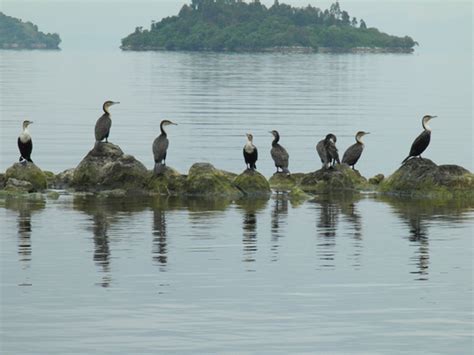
(422, 141)
(250, 153)
(25, 143)
(160, 146)
(327, 151)
(279, 154)
(353, 153)
(103, 124)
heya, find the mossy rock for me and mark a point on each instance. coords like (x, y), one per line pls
(205, 180)
(106, 167)
(3, 181)
(423, 178)
(339, 178)
(21, 186)
(169, 183)
(377, 179)
(282, 181)
(64, 179)
(252, 183)
(28, 172)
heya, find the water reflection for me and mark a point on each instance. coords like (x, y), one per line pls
(159, 248)
(25, 209)
(250, 208)
(418, 216)
(330, 208)
(104, 213)
(278, 221)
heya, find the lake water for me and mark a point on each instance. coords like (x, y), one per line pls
(336, 274)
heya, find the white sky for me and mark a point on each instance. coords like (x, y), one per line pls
(92, 24)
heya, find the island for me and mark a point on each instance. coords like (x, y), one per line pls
(238, 26)
(16, 34)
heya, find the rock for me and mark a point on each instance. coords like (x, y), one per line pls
(422, 177)
(64, 179)
(339, 178)
(377, 179)
(170, 182)
(252, 183)
(21, 186)
(3, 181)
(282, 181)
(28, 172)
(205, 180)
(53, 195)
(106, 167)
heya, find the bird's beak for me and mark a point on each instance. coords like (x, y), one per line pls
(174, 123)
(367, 132)
(270, 132)
(31, 122)
(116, 102)
(433, 116)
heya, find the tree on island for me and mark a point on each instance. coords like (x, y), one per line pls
(235, 25)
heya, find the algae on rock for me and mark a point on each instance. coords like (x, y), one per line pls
(339, 178)
(28, 172)
(282, 181)
(170, 182)
(251, 182)
(205, 180)
(106, 167)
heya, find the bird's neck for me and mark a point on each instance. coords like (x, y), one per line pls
(25, 131)
(275, 140)
(426, 127)
(106, 110)
(359, 140)
(163, 132)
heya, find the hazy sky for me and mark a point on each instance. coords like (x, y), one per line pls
(91, 24)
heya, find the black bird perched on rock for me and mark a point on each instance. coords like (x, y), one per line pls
(25, 143)
(250, 153)
(279, 154)
(103, 124)
(327, 151)
(160, 147)
(353, 153)
(422, 141)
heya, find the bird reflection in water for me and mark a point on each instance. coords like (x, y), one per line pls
(159, 248)
(101, 246)
(419, 235)
(326, 229)
(24, 237)
(279, 216)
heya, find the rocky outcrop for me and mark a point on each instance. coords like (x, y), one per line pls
(106, 167)
(423, 178)
(338, 178)
(282, 181)
(205, 180)
(28, 172)
(169, 182)
(252, 183)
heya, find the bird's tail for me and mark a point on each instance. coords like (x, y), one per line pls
(253, 166)
(285, 170)
(159, 169)
(404, 160)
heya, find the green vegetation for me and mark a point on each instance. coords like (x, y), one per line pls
(16, 34)
(234, 25)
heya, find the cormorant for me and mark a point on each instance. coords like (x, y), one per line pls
(327, 151)
(353, 153)
(279, 154)
(160, 146)
(250, 153)
(25, 144)
(422, 141)
(103, 124)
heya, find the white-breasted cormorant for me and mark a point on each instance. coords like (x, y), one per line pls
(250, 153)
(327, 151)
(25, 143)
(422, 141)
(160, 147)
(353, 153)
(279, 154)
(103, 124)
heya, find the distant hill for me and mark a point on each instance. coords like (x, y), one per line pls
(16, 34)
(235, 26)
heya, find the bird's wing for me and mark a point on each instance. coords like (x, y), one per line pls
(256, 153)
(160, 146)
(420, 143)
(352, 154)
(321, 149)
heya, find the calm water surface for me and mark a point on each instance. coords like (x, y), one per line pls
(337, 274)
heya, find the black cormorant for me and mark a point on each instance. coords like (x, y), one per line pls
(422, 141)
(353, 153)
(25, 144)
(327, 151)
(103, 124)
(250, 153)
(160, 146)
(279, 154)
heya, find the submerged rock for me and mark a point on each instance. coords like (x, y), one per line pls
(28, 172)
(339, 178)
(106, 167)
(422, 177)
(169, 182)
(20, 186)
(205, 180)
(251, 182)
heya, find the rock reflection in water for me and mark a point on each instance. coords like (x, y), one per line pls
(419, 215)
(25, 209)
(278, 221)
(250, 208)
